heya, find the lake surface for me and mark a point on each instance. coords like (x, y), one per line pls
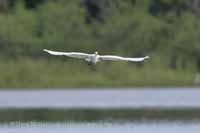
(154, 127)
(100, 110)
(102, 98)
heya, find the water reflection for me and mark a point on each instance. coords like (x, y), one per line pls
(46, 120)
(94, 115)
(100, 127)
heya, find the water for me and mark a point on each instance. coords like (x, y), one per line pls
(102, 98)
(100, 111)
(163, 127)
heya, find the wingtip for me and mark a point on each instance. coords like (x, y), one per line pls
(45, 50)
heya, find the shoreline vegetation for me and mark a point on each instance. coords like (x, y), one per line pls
(56, 73)
(166, 30)
(92, 115)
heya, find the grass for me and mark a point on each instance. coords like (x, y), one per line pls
(41, 73)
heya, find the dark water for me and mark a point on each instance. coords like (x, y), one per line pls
(100, 111)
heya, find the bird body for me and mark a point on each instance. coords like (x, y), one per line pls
(94, 58)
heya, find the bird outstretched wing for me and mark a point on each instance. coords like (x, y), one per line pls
(69, 54)
(112, 57)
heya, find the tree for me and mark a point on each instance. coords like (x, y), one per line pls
(194, 5)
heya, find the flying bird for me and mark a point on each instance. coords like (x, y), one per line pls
(92, 59)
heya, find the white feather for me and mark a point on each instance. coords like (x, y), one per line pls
(70, 54)
(94, 58)
(111, 57)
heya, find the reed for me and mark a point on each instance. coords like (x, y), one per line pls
(42, 73)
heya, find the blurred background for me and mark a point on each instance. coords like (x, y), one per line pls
(115, 96)
(166, 30)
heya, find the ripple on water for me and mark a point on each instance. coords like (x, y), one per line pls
(100, 127)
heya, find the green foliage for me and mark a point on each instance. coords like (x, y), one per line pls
(163, 29)
(40, 73)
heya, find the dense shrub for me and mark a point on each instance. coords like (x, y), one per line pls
(167, 30)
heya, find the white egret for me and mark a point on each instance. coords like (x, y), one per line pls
(94, 58)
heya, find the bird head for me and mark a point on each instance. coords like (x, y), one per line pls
(96, 53)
